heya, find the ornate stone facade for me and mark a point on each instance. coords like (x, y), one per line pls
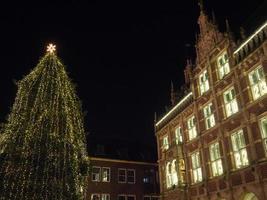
(217, 133)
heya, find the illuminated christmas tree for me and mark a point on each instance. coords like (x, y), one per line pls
(42, 145)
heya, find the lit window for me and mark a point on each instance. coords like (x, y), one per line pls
(131, 176)
(96, 174)
(122, 197)
(230, 102)
(105, 174)
(192, 130)
(105, 197)
(209, 116)
(257, 83)
(174, 173)
(122, 175)
(168, 175)
(95, 197)
(196, 168)
(239, 149)
(216, 161)
(178, 135)
(263, 123)
(165, 143)
(223, 65)
(203, 82)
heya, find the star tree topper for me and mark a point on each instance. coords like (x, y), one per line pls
(51, 48)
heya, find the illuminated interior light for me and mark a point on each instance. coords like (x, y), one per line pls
(51, 48)
(250, 38)
(174, 108)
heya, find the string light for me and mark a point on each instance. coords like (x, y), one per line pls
(43, 154)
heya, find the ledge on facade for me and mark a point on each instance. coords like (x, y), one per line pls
(183, 102)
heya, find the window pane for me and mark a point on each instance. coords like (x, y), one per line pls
(95, 197)
(96, 174)
(130, 197)
(122, 175)
(130, 176)
(121, 197)
(264, 127)
(105, 197)
(105, 174)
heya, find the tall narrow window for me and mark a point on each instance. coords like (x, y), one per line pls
(96, 174)
(105, 197)
(178, 135)
(215, 158)
(263, 124)
(196, 168)
(105, 174)
(95, 196)
(192, 130)
(257, 83)
(230, 102)
(223, 65)
(168, 175)
(209, 116)
(165, 144)
(130, 175)
(239, 149)
(174, 173)
(122, 175)
(122, 197)
(131, 197)
(203, 82)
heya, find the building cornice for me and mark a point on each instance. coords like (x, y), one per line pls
(122, 161)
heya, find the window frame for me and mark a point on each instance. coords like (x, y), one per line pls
(108, 195)
(99, 174)
(125, 175)
(203, 81)
(223, 67)
(165, 142)
(232, 102)
(197, 169)
(178, 135)
(95, 194)
(216, 160)
(209, 115)
(131, 195)
(192, 130)
(122, 195)
(102, 174)
(238, 151)
(260, 80)
(263, 134)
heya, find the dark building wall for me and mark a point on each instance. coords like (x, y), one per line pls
(139, 188)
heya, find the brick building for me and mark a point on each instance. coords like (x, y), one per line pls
(212, 144)
(121, 171)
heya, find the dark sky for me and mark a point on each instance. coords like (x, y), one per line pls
(121, 54)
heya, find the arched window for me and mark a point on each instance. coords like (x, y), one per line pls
(168, 175)
(250, 196)
(174, 173)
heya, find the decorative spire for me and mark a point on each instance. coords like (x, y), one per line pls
(51, 48)
(172, 94)
(229, 31)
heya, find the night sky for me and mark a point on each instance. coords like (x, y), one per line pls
(121, 54)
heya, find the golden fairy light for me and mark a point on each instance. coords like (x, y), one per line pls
(51, 48)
